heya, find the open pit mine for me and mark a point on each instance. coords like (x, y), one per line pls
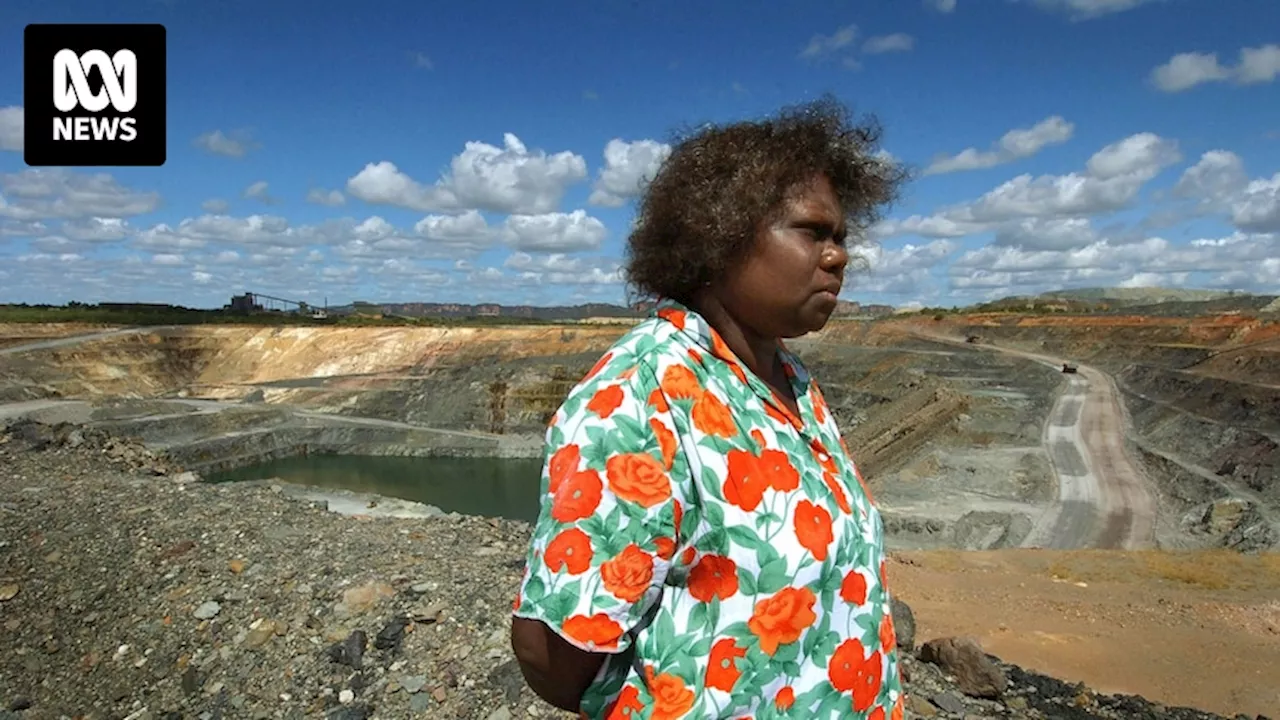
(1093, 498)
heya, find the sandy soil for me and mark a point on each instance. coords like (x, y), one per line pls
(1198, 629)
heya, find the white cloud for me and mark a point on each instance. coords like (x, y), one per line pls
(1219, 184)
(465, 233)
(330, 198)
(942, 6)
(217, 142)
(216, 206)
(628, 165)
(1241, 260)
(1189, 69)
(1111, 181)
(511, 179)
(45, 193)
(895, 42)
(903, 271)
(823, 45)
(1014, 145)
(555, 232)
(1087, 9)
(11, 128)
(1051, 234)
(420, 60)
(258, 191)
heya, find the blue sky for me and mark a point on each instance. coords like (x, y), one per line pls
(368, 150)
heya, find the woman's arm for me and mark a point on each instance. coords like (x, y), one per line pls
(554, 669)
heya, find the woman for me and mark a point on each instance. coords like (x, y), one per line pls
(706, 547)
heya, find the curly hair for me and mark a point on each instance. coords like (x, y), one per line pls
(704, 207)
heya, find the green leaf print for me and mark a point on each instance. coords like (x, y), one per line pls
(744, 536)
(701, 647)
(713, 613)
(787, 653)
(773, 576)
(747, 582)
(630, 432)
(555, 439)
(563, 602)
(832, 701)
(644, 344)
(766, 553)
(535, 590)
(698, 617)
(715, 513)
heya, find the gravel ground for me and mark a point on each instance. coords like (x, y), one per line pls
(127, 592)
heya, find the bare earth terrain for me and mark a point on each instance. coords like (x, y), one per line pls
(1114, 526)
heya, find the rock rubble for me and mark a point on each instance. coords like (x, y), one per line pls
(128, 591)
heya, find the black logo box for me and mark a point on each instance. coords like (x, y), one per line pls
(41, 42)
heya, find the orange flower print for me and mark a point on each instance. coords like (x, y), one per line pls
(673, 316)
(598, 631)
(638, 478)
(785, 698)
(712, 417)
(688, 555)
(746, 481)
(776, 414)
(722, 673)
(563, 464)
(854, 588)
(842, 668)
(720, 349)
(713, 576)
(758, 437)
(898, 709)
(666, 441)
(877, 714)
(813, 528)
(679, 382)
(695, 356)
(664, 547)
(819, 402)
(781, 619)
(842, 498)
(867, 681)
(578, 497)
(600, 365)
(629, 574)
(824, 458)
(605, 401)
(627, 705)
(658, 401)
(777, 467)
(570, 550)
(888, 637)
(671, 698)
(628, 373)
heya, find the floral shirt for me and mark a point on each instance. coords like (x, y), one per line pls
(721, 550)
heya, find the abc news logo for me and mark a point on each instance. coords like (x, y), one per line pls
(94, 95)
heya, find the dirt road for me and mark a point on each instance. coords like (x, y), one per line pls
(1103, 500)
(73, 340)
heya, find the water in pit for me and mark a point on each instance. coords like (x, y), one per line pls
(492, 487)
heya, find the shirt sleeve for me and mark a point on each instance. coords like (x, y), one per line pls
(612, 495)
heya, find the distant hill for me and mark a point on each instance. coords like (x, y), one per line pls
(493, 310)
(1137, 296)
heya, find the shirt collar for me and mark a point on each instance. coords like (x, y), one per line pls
(695, 326)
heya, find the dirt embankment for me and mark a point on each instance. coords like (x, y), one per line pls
(204, 601)
(1201, 396)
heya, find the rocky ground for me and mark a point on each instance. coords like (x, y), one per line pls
(127, 591)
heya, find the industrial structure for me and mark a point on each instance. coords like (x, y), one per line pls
(251, 302)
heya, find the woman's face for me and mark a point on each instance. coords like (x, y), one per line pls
(789, 283)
